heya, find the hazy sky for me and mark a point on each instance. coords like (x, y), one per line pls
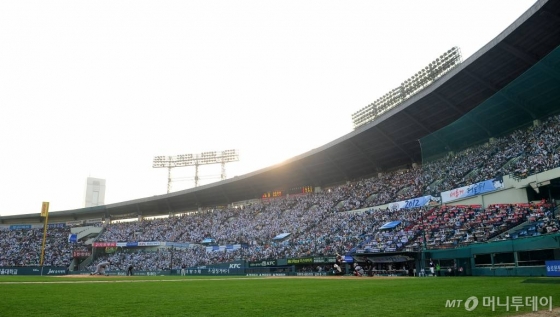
(98, 88)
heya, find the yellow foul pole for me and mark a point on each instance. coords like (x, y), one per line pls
(44, 213)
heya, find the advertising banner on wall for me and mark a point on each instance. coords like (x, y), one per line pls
(263, 263)
(552, 268)
(300, 261)
(33, 270)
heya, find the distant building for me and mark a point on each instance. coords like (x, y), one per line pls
(95, 192)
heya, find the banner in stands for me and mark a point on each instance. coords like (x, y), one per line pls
(179, 245)
(95, 220)
(74, 222)
(56, 225)
(282, 236)
(390, 225)
(148, 243)
(81, 254)
(133, 244)
(18, 227)
(72, 238)
(414, 203)
(104, 244)
(552, 268)
(127, 244)
(222, 248)
(471, 190)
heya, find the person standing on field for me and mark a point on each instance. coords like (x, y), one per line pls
(338, 265)
(432, 267)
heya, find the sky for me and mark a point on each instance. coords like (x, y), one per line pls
(98, 88)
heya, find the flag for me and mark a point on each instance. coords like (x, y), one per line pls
(72, 238)
(45, 209)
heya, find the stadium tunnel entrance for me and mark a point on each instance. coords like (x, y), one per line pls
(547, 190)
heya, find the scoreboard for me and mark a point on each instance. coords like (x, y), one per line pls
(272, 194)
(291, 191)
(301, 190)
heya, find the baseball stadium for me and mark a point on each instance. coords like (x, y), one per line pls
(442, 201)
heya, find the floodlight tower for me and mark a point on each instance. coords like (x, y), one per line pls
(425, 77)
(213, 157)
(166, 162)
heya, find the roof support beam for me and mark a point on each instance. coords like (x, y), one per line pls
(462, 113)
(307, 173)
(197, 200)
(138, 212)
(255, 192)
(394, 143)
(553, 16)
(372, 161)
(168, 205)
(225, 194)
(531, 60)
(338, 167)
(519, 104)
(408, 115)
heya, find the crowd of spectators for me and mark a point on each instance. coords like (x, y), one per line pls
(22, 247)
(325, 223)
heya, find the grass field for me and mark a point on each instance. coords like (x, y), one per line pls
(297, 296)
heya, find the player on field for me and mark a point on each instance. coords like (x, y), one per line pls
(338, 265)
(101, 267)
(358, 270)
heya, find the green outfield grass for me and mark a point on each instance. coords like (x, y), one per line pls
(203, 296)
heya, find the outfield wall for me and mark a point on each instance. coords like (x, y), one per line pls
(212, 271)
(514, 257)
(33, 270)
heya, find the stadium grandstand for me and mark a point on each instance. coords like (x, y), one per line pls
(470, 160)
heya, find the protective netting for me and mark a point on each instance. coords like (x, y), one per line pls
(533, 95)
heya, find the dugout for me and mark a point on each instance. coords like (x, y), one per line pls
(389, 264)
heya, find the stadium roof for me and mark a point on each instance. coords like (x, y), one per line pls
(390, 141)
